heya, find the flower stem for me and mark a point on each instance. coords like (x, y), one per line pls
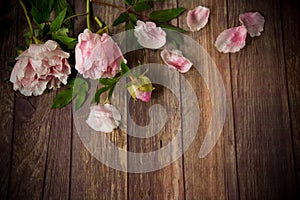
(128, 10)
(29, 22)
(73, 16)
(88, 17)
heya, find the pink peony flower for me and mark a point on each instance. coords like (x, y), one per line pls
(97, 56)
(254, 23)
(141, 88)
(176, 60)
(104, 118)
(149, 36)
(232, 40)
(39, 67)
(196, 19)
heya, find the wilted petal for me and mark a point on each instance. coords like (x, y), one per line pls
(196, 19)
(104, 118)
(254, 23)
(176, 60)
(149, 36)
(231, 40)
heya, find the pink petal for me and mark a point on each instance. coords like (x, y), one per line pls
(149, 36)
(254, 23)
(104, 118)
(176, 60)
(196, 19)
(232, 40)
(143, 96)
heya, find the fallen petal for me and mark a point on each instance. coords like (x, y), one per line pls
(254, 23)
(196, 19)
(232, 40)
(149, 36)
(176, 60)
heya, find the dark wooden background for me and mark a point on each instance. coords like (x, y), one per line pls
(257, 156)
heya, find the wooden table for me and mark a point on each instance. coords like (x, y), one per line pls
(256, 157)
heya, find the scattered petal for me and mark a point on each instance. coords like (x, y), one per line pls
(196, 19)
(104, 118)
(176, 60)
(149, 36)
(254, 23)
(232, 40)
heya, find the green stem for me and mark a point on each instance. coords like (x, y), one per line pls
(28, 21)
(98, 21)
(128, 10)
(73, 16)
(88, 17)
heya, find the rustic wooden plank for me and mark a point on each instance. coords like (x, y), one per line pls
(8, 39)
(291, 28)
(57, 171)
(90, 179)
(31, 133)
(166, 183)
(263, 137)
(215, 176)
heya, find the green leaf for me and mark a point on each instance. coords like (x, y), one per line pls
(99, 92)
(121, 19)
(62, 32)
(133, 18)
(129, 25)
(111, 91)
(124, 68)
(108, 81)
(68, 41)
(39, 16)
(166, 15)
(60, 5)
(62, 99)
(56, 24)
(80, 85)
(129, 2)
(142, 6)
(79, 100)
(168, 26)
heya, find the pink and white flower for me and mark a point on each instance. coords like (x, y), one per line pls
(232, 40)
(176, 60)
(141, 88)
(104, 118)
(97, 56)
(197, 18)
(39, 67)
(149, 36)
(254, 23)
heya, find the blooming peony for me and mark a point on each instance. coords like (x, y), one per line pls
(254, 23)
(149, 36)
(104, 118)
(196, 19)
(176, 60)
(97, 56)
(39, 67)
(232, 40)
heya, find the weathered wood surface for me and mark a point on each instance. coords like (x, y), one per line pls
(256, 157)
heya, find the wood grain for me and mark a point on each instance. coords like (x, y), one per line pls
(7, 39)
(90, 179)
(212, 177)
(261, 115)
(290, 17)
(166, 183)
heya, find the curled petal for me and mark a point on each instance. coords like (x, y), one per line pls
(232, 40)
(176, 60)
(254, 23)
(104, 118)
(149, 36)
(196, 19)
